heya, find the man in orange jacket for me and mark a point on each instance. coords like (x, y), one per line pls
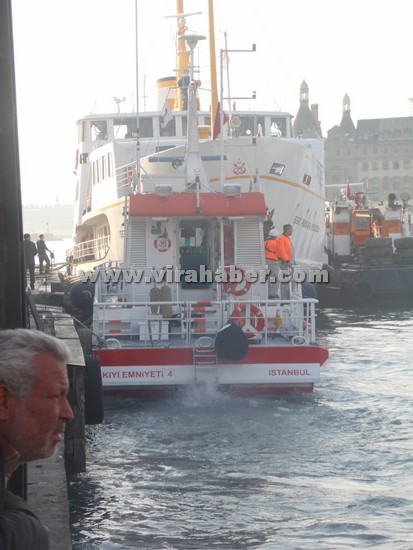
(271, 257)
(285, 256)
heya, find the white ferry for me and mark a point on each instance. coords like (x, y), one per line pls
(188, 305)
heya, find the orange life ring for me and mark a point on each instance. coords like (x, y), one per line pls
(251, 325)
(231, 286)
(162, 244)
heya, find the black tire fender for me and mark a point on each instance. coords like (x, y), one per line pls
(94, 411)
(361, 291)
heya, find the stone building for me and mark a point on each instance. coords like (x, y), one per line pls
(377, 155)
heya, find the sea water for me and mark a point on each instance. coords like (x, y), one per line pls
(330, 470)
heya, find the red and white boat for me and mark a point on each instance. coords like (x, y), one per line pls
(194, 268)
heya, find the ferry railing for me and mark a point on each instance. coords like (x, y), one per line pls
(91, 250)
(294, 320)
(126, 177)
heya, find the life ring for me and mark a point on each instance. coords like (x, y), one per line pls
(162, 244)
(251, 324)
(232, 286)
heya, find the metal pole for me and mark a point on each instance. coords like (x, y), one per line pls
(12, 276)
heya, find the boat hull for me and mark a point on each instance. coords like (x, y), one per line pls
(362, 286)
(263, 371)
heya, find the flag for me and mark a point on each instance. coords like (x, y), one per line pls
(348, 192)
(166, 113)
(217, 121)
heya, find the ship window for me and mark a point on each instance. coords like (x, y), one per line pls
(94, 172)
(99, 130)
(98, 171)
(167, 129)
(278, 127)
(110, 165)
(145, 127)
(104, 168)
(120, 130)
(184, 121)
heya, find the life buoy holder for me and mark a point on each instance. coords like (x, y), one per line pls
(252, 322)
(162, 244)
(232, 287)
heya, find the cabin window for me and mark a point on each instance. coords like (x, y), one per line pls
(104, 172)
(99, 130)
(184, 122)
(167, 130)
(82, 131)
(278, 127)
(94, 173)
(120, 130)
(145, 127)
(98, 171)
(248, 126)
(194, 251)
(110, 165)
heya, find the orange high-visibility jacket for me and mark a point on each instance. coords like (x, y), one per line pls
(271, 248)
(284, 248)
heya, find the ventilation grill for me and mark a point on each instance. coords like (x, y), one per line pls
(136, 254)
(248, 234)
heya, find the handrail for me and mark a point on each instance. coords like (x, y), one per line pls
(288, 318)
(92, 249)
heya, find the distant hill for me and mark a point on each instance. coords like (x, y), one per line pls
(50, 220)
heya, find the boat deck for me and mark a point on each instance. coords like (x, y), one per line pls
(190, 324)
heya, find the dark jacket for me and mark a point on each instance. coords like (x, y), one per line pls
(30, 251)
(20, 529)
(41, 247)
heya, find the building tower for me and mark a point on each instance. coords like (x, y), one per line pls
(306, 123)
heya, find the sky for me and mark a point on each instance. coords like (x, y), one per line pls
(72, 57)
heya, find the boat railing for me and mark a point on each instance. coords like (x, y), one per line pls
(126, 177)
(90, 250)
(160, 322)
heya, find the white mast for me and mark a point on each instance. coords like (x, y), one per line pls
(195, 172)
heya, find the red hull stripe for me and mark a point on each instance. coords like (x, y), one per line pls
(184, 356)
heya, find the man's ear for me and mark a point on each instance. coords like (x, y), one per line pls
(4, 402)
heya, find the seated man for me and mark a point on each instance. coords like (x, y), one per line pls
(33, 412)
